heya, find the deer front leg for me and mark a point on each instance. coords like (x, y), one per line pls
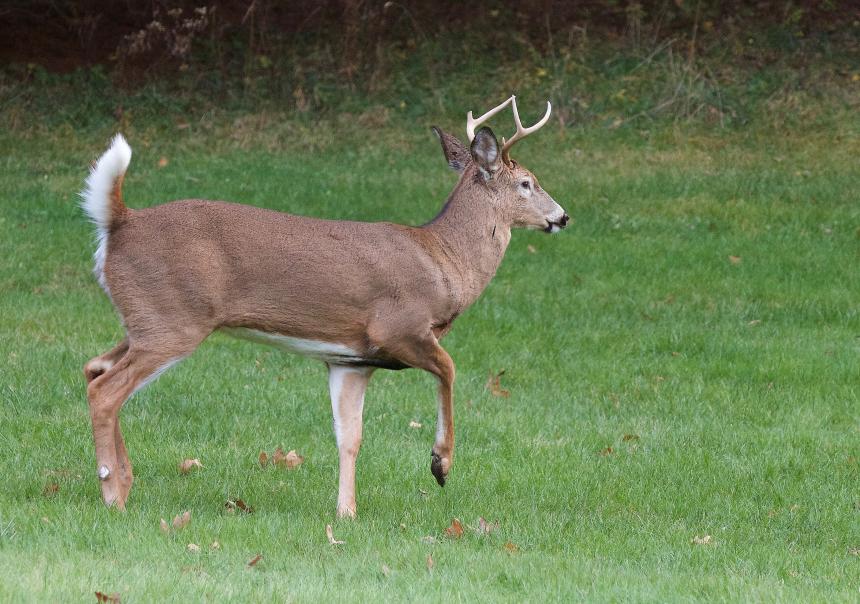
(442, 454)
(347, 386)
(425, 353)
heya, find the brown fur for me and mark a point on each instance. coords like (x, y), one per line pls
(178, 271)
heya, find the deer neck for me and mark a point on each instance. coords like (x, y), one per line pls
(471, 237)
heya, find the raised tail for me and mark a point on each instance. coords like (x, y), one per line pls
(102, 197)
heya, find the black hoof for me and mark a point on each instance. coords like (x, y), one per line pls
(436, 468)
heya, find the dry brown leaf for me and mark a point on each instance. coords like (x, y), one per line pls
(531, 249)
(629, 437)
(330, 535)
(494, 385)
(237, 504)
(430, 563)
(186, 466)
(215, 545)
(181, 520)
(289, 461)
(414, 424)
(264, 458)
(385, 570)
(101, 597)
(485, 528)
(51, 489)
(735, 259)
(511, 548)
(254, 560)
(606, 451)
(704, 540)
(165, 528)
(162, 162)
(454, 531)
(193, 548)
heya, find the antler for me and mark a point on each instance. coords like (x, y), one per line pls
(521, 132)
(472, 123)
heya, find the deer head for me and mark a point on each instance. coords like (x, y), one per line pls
(512, 190)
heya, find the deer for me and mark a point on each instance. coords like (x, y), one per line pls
(358, 296)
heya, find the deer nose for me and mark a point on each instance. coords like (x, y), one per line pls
(564, 220)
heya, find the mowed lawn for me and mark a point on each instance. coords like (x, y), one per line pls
(683, 364)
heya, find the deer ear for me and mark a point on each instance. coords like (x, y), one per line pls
(485, 152)
(455, 152)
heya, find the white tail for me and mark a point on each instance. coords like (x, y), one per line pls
(358, 296)
(102, 181)
(101, 198)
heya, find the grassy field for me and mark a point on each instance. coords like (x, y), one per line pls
(682, 363)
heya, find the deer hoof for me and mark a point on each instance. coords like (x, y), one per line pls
(436, 468)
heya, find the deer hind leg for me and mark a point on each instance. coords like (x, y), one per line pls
(100, 364)
(347, 386)
(106, 395)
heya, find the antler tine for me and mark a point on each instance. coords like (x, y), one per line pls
(472, 123)
(522, 132)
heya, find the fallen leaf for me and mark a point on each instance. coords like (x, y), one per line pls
(165, 528)
(485, 528)
(531, 249)
(455, 530)
(422, 491)
(854, 551)
(705, 540)
(430, 563)
(180, 520)
(735, 259)
(754, 322)
(193, 547)
(51, 489)
(100, 597)
(511, 548)
(330, 535)
(186, 465)
(289, 461)
(237, 504)
(254, 560)
(494, 385)
(628, 437)
(264, 458)
(414, 424)
(215, 545)
(162, 162)
(606, 451)
(385, 570)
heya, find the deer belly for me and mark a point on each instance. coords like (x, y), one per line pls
(329, 352)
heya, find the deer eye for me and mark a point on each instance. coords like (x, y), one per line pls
(525, 184)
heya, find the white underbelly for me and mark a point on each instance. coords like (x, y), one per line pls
(324, 351)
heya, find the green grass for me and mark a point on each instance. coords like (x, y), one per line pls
(740, 380)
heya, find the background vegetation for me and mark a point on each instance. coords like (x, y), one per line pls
(682, 421)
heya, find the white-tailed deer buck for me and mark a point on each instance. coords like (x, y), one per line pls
(357, 296)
